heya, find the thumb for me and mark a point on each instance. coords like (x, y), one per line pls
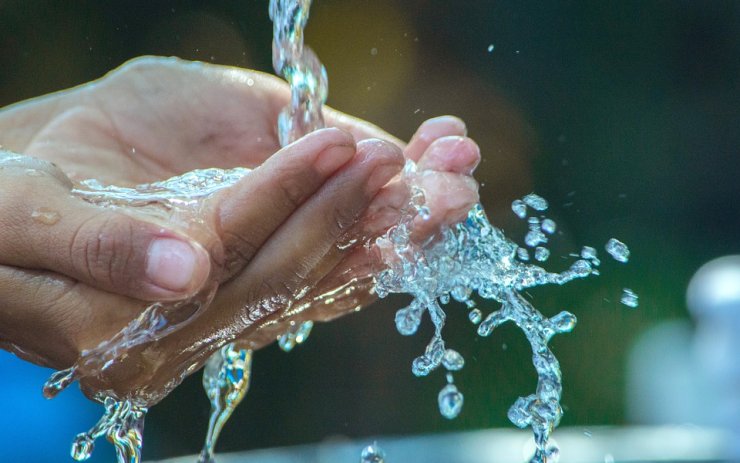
(42, 226)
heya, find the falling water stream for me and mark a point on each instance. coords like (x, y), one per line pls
(468, 261)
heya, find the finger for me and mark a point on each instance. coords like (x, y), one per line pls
(42, 226)
(306, 246)
(292, 253)
(49, 319)
(431, 130)
(451, 154)
(253, 209)
(448, 196)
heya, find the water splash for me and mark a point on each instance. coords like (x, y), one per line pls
(298, 64)
(476, 257)
(296, 334)
(226, 376)
(226, 381)
(175, 199)
(618, 250)
(122, 424)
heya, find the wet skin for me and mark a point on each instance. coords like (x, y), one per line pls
(276, 240)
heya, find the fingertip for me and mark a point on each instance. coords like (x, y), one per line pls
(455, 154)
(432, 129)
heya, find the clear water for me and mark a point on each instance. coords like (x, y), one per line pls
(308, 83)
(177, 199)
(471, 260)
(226, 381)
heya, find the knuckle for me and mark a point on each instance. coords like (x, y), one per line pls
(239, 250)
(342, 218)
(291, 187)
(102, 249)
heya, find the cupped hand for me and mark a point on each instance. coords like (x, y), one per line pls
(280, 234)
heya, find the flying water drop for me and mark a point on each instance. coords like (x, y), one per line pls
(618, 250)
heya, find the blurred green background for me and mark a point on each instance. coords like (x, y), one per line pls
(624, 114)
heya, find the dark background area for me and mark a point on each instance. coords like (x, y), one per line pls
(623, 114)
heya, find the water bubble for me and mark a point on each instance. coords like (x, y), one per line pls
(46, 216)
(475, 316)
(372, 454)
(452, 360)
(34, 173)
(587, 433)
(608, 458)
(549, 226)
(519, 208)
(536, 202)
(373, 51)
(629, 298)
(490, 48)
(450, 401)
(541, 254)
(618, 250)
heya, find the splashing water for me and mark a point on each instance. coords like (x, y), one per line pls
(468, 259)
(226, 381)
(471, 257)
(176, 199)
(123, 426)
(299, 65)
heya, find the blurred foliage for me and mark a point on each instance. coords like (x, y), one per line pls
(623, 114)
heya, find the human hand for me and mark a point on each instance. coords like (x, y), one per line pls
(75, 133)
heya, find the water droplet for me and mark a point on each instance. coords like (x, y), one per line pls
(452, 360)
(618, 250)
(250, 82)
(490, 48)
(549, 226)
(541, 254)
(608, 458)
(450, 401)
(519, 208)
(82, 447)
(534, 237)
(59, 381)
(587, 433)
(563, 322)
(372, 454)
(34, 173)
(522, 254)
(373, 51)
(475, 316)
(629, 298)
(408, 319)
(536, 202)
(46, 216)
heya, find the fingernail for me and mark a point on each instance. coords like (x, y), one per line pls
(171, 264)
(332, 158)
(441, 126)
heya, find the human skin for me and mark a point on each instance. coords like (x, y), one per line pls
(275, 238)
